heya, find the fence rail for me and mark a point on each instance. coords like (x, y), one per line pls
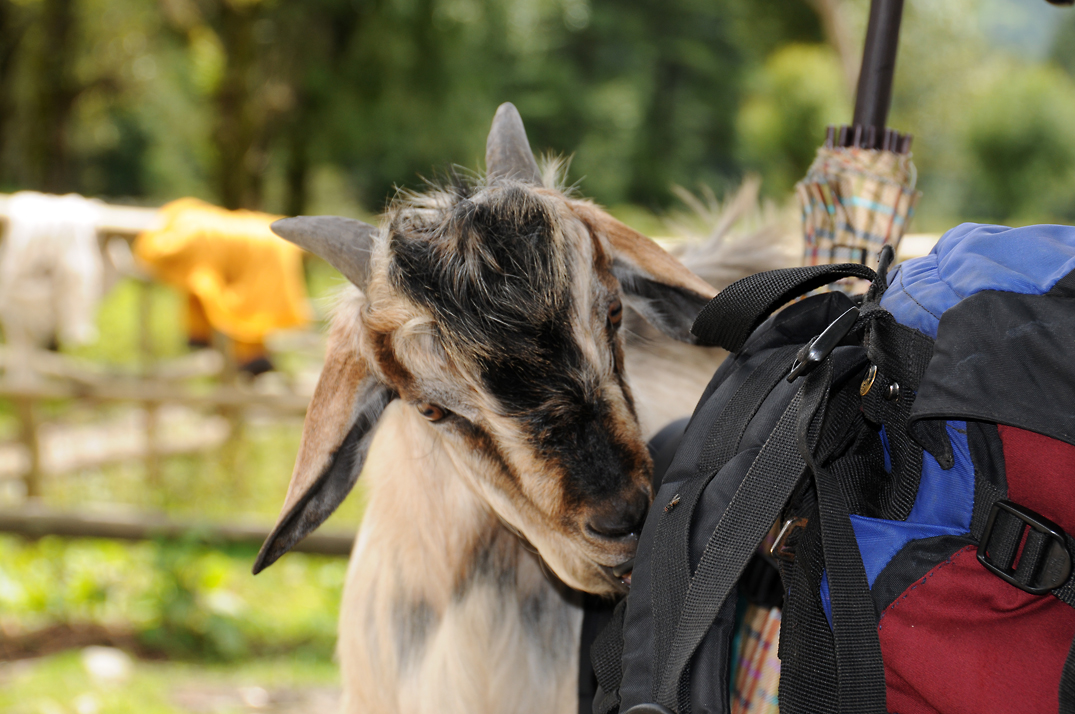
(157, 393)
(34, 521)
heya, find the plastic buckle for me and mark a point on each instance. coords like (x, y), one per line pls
(816, 350)
(1045, 562)
(781, 549)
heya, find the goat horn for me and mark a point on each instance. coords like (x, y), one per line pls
(343, 242)
(507, 151)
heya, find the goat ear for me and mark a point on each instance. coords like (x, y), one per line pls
(345, 243)
(507, 150)
(654, 283)
(336, 436)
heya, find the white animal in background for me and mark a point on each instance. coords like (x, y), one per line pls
(50, 270)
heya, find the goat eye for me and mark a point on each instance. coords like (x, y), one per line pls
(615, 313)
(431, 411)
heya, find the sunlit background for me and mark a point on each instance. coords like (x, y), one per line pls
(329, 106)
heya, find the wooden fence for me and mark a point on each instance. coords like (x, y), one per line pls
(152, 384)
(36, 521)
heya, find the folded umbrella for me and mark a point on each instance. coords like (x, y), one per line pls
(859, 194)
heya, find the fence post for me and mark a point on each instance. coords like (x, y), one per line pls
(24, 406)
(146, 354)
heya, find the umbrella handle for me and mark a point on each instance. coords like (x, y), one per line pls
(874, 95)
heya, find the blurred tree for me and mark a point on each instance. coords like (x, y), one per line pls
(1021, 138)
(216, 97)
(55, 89)
(833, 17)
(117, 166)
(309, 45)
(282, 104)
(237, 132)
(644, 95)
(1063, 49)
(797, 93)
(229, 45)
(13, 26)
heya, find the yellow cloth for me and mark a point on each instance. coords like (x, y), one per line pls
(248, 280)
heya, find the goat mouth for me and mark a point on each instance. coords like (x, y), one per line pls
(622, 572)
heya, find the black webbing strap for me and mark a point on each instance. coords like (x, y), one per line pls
(1066, 593)
(606, 655)
(754, 507)
(985, 495)
(860, 672)
(671, 561)
(729, 318)
(1067, 684)
(901, 355)
(807, 654)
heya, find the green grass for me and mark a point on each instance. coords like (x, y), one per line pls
(117, 322)
(181, 600)
(61, 684)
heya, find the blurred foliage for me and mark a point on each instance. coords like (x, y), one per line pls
(1063, 52)
(952, 67)
(296, 106)
(1023, 162)
(243, 102)
(796, 94)
(180, 600)
(117, 324)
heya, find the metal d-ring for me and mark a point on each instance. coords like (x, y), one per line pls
(867, 381)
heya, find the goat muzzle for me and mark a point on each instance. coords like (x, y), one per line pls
(620, 519)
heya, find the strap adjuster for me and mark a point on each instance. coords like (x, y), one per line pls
(1045, 562)
(783, 547)
(816, 350)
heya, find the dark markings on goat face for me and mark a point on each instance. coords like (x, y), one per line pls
(499, 284)
(414, 625)
(393, 370)
(597, 461)
(478, 440)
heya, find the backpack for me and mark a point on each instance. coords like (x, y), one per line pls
(916, 448)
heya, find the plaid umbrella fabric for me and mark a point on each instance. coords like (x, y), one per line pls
(854, 202)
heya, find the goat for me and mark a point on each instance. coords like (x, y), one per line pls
(475, 376)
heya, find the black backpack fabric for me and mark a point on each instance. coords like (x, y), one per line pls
(874, 431)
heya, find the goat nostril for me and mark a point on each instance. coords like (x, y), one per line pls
(621, 517)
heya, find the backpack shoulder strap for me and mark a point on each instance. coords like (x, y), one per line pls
(737, 310)
(754, 508)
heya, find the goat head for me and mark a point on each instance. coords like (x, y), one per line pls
(493, 308)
